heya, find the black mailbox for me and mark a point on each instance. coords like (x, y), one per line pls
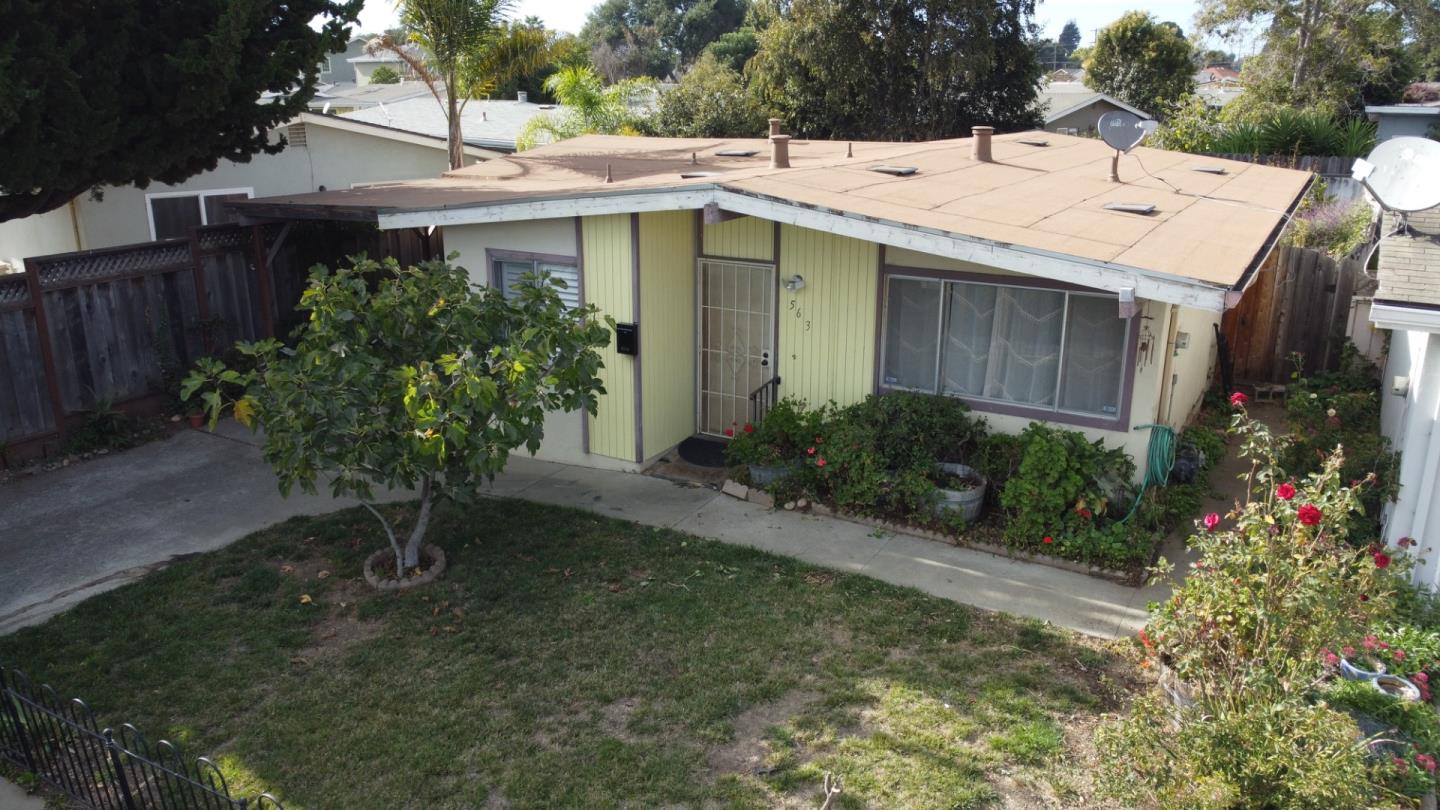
(627, 338)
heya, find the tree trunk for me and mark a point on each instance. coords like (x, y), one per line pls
(390, 533)
(456, 142)
(1303, 39)
(417, 534)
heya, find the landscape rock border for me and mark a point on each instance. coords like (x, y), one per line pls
(437, 567)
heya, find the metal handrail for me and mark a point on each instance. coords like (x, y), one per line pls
(762, 399)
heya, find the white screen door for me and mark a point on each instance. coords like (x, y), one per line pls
(737, 340)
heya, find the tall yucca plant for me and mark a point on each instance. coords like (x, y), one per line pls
(1356, 138)
(466, 50)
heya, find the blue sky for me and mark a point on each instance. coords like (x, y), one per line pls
(569, 15)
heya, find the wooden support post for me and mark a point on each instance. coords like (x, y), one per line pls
(47, 351)
(262, 274)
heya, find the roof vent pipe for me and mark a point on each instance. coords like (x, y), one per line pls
(980, 144)
(774, 127)
(779, 151)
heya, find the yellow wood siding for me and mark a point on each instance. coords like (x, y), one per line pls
(744, 238)
(827, 329)
(606, 248)
(667, 328)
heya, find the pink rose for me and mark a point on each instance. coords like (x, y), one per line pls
(1238, 399)
(1211, 521)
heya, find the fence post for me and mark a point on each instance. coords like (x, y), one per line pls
(47, 351)
(202, 299)
(7, 698)
(118, 764)
(262, 273)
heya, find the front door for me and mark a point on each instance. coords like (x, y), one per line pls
(736, 340)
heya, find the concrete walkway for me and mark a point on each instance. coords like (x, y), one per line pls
(69, 534)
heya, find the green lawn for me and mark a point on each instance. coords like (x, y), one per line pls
(570, 660)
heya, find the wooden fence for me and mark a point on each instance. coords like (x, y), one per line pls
(120, 325)
(1298, 304)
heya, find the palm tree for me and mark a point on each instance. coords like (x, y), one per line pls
(464, 51)
(590, 107)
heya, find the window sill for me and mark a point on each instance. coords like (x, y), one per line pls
(1118, 424)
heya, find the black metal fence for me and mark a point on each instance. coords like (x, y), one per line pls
(62, 744)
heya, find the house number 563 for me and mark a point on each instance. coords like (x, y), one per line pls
(799, 313)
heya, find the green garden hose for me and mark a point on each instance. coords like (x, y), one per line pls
(1159, 458)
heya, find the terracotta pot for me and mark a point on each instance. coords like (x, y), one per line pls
(197, 420)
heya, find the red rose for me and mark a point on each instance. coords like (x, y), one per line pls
(810, 452)
(819, 439)
(1285, 491)
(729, 432)
(1309, 514)
(1237, 399)
(1382, 560)
(820, 462)
(749, 428)
(1405, 542)
(1211, 521)
(1048, 540)
(1083, 512)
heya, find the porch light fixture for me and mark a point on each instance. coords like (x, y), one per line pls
(795, 282)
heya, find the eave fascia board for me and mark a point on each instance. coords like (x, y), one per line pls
(1387, 315)
(1095, 274)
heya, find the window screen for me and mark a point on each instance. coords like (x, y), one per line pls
(215, 211)
(1049, 349)
(511, 274)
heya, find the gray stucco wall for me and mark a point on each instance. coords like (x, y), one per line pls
(333, 158)
(1394, 125)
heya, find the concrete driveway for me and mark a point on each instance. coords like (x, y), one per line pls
(72, 533)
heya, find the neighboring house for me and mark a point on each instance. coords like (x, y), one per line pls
(1408, 303)
(323, 152)
(1000, 276)
(1417, 119)
(484, 123)
(1216, 74)
(1071, 108)
(336, 69)
(364, 65)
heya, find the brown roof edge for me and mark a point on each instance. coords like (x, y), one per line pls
(259, 209)
(1273, 240)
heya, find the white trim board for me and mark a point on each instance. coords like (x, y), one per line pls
(1055, 116)
(1403, 318)
(1095, 274)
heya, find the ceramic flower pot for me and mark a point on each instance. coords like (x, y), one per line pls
(969, 502)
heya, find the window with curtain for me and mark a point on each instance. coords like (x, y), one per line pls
(1050, 350)
(174, 215)
(511, 273)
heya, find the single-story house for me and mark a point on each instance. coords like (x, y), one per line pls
(364, 65)
(1071, 108)
(1417, 120)
(323, 152)
(1407, 302)
(491, 124)
(343, 97)
(1006, 270)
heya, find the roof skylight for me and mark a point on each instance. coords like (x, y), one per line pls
(738, 152)
(1210, 169)
(898, 171)
(1034, 141)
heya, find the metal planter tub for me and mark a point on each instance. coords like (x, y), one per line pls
(968, 502)
(765, 475)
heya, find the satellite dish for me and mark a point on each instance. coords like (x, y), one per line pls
(1403, 174)
(1123, 130)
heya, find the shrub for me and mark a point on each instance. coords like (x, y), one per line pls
(384, 75)
(1252, 632)
(779, 438)
(1342, 409)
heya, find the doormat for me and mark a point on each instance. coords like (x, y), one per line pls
(703, 452)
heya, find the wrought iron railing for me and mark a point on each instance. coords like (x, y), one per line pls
(762, 399)
(61, 743)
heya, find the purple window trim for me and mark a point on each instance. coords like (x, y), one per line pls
(1120, 423)
(495, 255)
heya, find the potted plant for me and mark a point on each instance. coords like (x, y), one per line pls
(197, 419)
(771, 450)
(960, 488)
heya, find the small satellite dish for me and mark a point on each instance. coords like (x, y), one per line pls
(1123, 130)
(1403, 174)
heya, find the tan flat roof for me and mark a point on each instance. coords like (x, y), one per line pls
(1206, 227)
